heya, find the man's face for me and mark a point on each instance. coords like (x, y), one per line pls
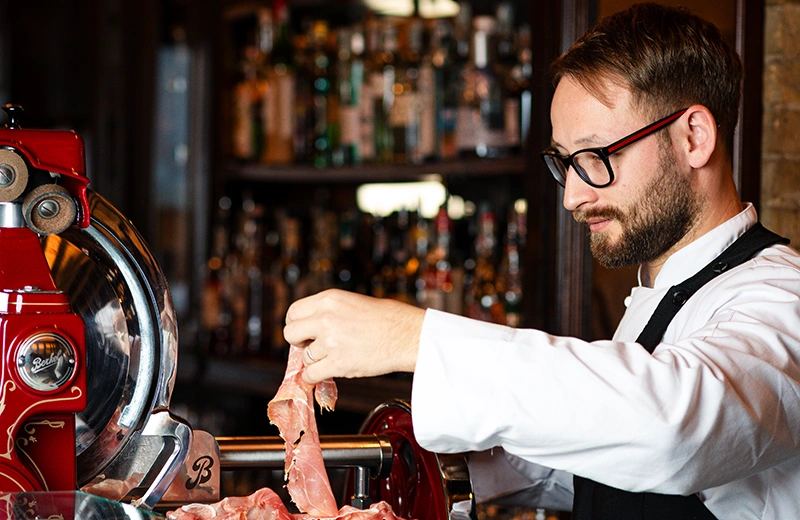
(650, 205)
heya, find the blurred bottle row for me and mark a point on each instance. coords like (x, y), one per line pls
(263, 260)
(384, 90)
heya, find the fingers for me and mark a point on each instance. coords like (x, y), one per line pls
(309, 357)
(316, 372)
(301, 333)
(308, 318)
(306, 307)
(316, 368)
(353, 335)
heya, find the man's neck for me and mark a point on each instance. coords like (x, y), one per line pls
(716, 216)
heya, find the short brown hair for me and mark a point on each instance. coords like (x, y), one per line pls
(668, 58)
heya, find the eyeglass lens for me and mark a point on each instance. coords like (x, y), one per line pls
(589, 166)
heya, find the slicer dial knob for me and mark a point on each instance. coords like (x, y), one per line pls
(49, 209)
(13, 175)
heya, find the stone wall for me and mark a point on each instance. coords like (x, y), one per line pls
(780, 181)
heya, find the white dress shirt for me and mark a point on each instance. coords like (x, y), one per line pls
(715, 410)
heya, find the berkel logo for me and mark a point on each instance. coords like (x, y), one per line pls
(46, 361)
(40, 364)
(203, 467)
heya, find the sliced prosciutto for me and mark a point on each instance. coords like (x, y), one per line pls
(264, 504)
(379, 511)
(292, 411)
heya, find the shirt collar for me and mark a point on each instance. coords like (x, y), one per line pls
(690, 259)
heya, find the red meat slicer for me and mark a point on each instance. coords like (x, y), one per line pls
(43, 375)
(90, 357)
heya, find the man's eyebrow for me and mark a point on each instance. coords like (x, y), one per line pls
(592, 139)
(589, 140)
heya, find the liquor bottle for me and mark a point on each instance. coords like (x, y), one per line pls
(264, 43)
(519, 102)
(350, 80)
(511, 266)
(251, 252)
(462, 29)
(427, 102)
(346, 262)
(485, 297)
(303, 142)
(287, 284)
(437, 274)
(398, 246)
(417, 246)
(247, 118)
(216, 312)
(372, 89)
(404, 113)
(504, 44)
(239, 277)
(381, 80)
(241, 131)
(321, 251)
(378, 267)
(454, 80)
(438, 91)
(279, 115)
(480, 125)
(503, 38)
(321, 87)
(384, 145)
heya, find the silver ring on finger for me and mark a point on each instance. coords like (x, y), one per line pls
(310, 356)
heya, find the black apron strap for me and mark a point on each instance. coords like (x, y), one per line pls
(746, 246)
(595, 501)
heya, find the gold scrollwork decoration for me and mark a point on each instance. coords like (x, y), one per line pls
(3, 394)
(77, 394)
(22, 443)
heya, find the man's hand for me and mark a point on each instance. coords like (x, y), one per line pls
(351, 335)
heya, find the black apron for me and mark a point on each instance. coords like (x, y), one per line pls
(595, 501)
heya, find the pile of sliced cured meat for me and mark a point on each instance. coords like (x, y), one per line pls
(292, 411)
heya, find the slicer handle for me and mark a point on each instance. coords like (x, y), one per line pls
(14, 114)
(179, 436)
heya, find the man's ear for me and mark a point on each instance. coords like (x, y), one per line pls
(700, 137)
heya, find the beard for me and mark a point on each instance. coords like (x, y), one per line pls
(656, 220)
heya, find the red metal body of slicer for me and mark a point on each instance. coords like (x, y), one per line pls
(42, 367)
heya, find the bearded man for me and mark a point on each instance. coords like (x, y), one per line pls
(692, 409)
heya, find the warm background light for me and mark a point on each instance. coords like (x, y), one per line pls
(427, 8)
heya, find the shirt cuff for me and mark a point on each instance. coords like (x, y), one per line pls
(453, 353)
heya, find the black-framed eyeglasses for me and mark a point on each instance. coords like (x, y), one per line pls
(592, 164)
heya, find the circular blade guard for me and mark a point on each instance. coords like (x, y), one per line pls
(421, 484)
(116, 286)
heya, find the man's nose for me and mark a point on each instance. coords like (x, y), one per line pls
(576, 191)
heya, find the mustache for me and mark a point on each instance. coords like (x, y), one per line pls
(595, 213)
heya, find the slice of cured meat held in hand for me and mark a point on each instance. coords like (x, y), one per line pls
(292, 411)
